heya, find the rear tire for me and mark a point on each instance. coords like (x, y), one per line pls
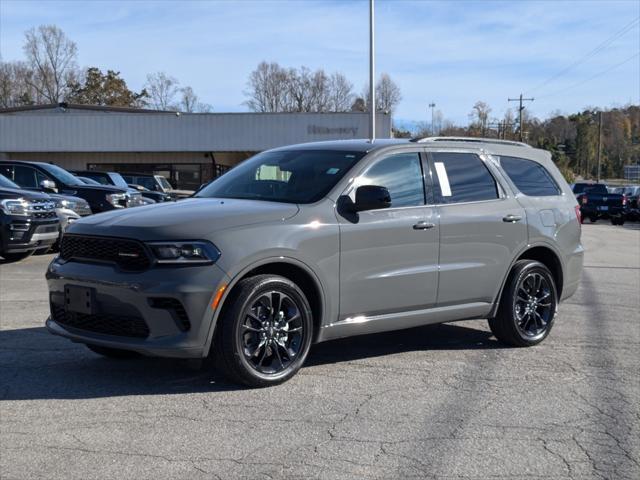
(528, 305)
(593, 219)
(112, 352)
(264, 331)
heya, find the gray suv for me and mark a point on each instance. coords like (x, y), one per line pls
(313, 242)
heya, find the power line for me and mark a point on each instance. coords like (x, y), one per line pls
(593, 77)
(589, 54)
(520, 110)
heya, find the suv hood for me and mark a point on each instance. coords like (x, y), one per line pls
(18, 193)
(189, 219)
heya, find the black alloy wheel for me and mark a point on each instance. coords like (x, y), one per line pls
(264, 331)
(533, 305)
(528, 305)
(272, 332)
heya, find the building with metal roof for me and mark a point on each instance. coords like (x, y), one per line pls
(187, 148)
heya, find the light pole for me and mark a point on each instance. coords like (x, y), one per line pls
(433, 127)
(372, 76)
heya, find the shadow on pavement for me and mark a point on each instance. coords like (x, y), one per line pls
(37, 365)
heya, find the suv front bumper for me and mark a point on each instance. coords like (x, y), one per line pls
(163, 312)
(20, 235)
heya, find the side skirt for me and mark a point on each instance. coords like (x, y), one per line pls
(362, 325)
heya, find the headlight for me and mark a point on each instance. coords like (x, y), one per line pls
(186, 253)
(118, 200)
(68, 204)
(18, 206)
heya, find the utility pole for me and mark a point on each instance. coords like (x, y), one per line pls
(599, 143)
(432, 105)
(372, 76)
(520, 109)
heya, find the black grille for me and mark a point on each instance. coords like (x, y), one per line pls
(43, 209)
(41, 215)
(178, 313)
(121, 326)
(127, 254)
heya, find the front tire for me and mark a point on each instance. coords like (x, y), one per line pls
(528, 305)
(264, 331)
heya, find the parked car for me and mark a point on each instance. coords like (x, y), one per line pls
(631, 194)
(319, 241)
(28, 222)
(68, 208)
(596, 202)
(50, 178)
(156, 183)
(115, 179)
(155, 196)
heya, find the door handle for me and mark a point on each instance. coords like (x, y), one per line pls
(423, 226)
(512, 218)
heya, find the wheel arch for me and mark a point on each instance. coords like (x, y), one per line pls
(540, 253)
(290, 268)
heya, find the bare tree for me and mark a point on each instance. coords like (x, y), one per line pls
(340, 93)
(319, 92)
(480, 117)
(268, 88)
(15, 85)
(52, 59)
(387, 94)
(190, 103)
(298, 89)
(162, 90)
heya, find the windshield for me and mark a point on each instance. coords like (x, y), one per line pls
(6, 183)
(164, 182)
(61, 175)
(118, 181)
(290, 176)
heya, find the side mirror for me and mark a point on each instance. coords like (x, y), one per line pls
(48, 186)
(371, 197)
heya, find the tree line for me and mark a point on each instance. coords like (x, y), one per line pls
(49, 73)
(273, 88)
(572, 139)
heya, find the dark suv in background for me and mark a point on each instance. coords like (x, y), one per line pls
(156, 183)
(115, 179)
(28, 222)
(50, 178)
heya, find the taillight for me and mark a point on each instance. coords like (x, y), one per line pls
(578, 214)
(624, 200)
(584, 200)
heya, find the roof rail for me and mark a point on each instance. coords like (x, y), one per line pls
(469, 140)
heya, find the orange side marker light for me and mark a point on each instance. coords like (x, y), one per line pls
(218, 297)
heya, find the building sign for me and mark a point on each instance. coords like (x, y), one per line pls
(320, 130)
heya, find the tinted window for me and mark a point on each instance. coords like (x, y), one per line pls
(463, 177)
(529, 177)
(61, 175)
(97, 177)
(25, 176)
(402, 175)
(291, 176)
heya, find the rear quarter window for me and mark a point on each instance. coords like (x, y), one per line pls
(530, 177)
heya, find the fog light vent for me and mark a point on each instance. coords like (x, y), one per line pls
(175, 308)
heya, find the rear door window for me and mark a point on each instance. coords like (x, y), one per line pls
(463, 177)
(530, 177)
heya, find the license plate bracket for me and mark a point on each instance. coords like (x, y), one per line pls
(79, 299)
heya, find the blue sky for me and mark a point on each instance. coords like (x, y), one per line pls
(453, 53)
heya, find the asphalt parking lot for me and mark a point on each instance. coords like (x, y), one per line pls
(442, 401)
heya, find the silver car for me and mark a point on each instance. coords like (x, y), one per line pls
(313, 242)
